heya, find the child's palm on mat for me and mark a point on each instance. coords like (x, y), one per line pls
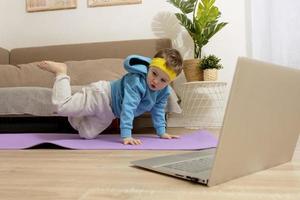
(169, 136)
(133, 141)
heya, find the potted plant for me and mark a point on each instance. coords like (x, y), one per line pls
(201, 27)
(210, 66)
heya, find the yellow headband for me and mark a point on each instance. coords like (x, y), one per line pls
(161, 64)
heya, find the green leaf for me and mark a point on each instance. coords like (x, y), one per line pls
(215, 28)
(185, 6)
(210, 62)
(207, 12)
(186, 22)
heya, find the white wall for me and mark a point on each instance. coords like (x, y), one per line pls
(151, 19)
(76, 25)
(231, 41)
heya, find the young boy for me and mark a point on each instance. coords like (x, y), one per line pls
(143, 89)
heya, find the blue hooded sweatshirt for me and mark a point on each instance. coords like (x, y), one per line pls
(131, 96)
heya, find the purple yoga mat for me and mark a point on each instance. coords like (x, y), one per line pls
(188, 141)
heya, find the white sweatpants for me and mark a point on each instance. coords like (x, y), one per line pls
(89, 111)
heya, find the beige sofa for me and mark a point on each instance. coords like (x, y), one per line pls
(25, 90)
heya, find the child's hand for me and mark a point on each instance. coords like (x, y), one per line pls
(131, 141)
(168, 136)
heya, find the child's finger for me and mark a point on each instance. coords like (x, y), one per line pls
(129, 142)
(125, 142)
(138, 141)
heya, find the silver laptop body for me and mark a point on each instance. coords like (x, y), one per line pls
(260, 128)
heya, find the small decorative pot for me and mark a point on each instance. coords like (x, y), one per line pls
(210, 74)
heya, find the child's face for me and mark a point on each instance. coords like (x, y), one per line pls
(157, 79)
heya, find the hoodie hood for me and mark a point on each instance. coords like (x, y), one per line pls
(137, 64)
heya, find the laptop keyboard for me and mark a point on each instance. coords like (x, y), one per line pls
(192, 166)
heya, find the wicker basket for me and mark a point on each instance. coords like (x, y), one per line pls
(203, 104)
(192, 71)
(210, 74)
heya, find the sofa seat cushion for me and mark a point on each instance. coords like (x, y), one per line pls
(26, 100)
(37, 101)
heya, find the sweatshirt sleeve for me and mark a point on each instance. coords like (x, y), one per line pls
(158, 113)
(131, 100)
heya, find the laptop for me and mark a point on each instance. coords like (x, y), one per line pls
(260, 128)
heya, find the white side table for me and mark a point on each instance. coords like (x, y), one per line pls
(203, 104)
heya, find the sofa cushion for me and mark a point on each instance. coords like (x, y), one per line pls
(32, 76)
(81, 73)
(87, 71)
(10, 76)
(26, 100)
(4, 56)
(88, 51)
(37, 101)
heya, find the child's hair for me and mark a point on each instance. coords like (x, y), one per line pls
(173, 59)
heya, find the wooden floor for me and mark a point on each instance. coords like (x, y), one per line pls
(59, 174)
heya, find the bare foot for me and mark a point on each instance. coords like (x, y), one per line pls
(54, 67)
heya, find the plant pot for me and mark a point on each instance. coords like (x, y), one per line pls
(210, 74)
(192, 70)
